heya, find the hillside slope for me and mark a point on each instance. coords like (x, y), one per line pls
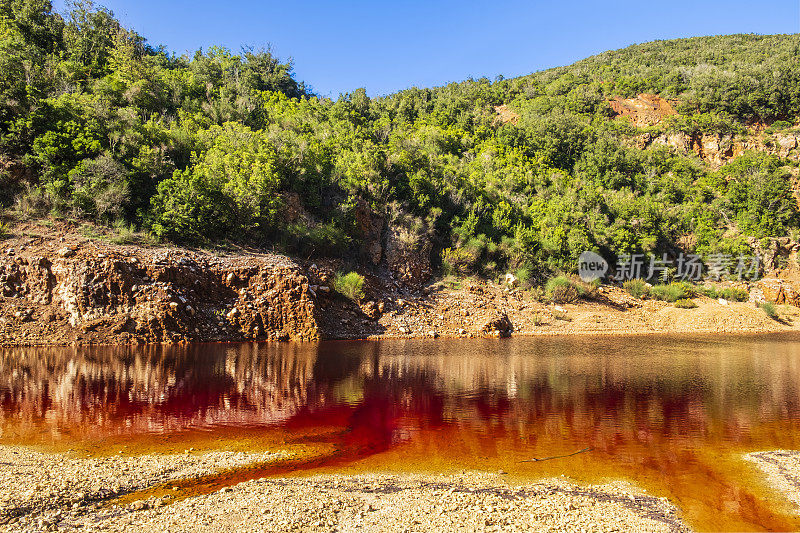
(668, 147)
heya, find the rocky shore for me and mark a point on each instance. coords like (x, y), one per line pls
(69, 492)
(40, 492)
(58, 287)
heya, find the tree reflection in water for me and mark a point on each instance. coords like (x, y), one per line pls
(653, 409)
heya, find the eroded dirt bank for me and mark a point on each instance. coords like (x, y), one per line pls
(58, 287)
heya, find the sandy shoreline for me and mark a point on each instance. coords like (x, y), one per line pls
(782, 470)
(40, 492)
(64, 492)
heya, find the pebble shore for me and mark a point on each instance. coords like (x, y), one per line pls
(782, 468)
(41, 492)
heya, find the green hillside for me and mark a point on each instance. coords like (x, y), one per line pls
(96, 124)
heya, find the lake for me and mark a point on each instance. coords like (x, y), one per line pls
(672, 414)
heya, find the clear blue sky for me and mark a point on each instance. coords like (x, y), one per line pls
(338, 46)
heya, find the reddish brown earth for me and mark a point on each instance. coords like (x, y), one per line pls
(58, 287)
(505, 114)
(644, 110)
(61, 288)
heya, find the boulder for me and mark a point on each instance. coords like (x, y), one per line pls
(497, 324)
(511, 280)
(780, 291)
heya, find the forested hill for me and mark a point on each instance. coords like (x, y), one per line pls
(525, 173)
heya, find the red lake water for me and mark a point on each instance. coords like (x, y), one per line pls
(672, 415)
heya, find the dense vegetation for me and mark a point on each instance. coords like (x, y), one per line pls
(97, 124)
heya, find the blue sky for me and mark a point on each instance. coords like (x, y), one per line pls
(338, 46)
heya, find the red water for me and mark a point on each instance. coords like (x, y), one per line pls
(672, 415)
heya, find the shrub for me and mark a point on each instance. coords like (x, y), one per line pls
(637, 288)
(672, 292)
(729, 293)
(561, 315)
(769, 309)
(350, 285)
(3, 230)
(711, 292)
(562, 290)
(685, 303)
(735, 295)
(523, 275)
(451, 282)
(128, 234)
(308, 240)
(778, 125)
(33, 202)
(459, 261)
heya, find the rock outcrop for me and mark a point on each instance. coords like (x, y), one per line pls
(776, 254)
(497, 325)
(644, 110)
(717, 149)
(780, 291)
(94, 293)
(370, 226)
(408, 256)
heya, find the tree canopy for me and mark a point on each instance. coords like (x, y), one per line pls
(97, 124)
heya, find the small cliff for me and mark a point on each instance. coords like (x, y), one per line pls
(57, 290)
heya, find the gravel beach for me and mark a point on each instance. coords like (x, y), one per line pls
(782, 468)
(40, 492)
(64, 492)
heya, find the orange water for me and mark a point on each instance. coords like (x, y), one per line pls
(671, 414)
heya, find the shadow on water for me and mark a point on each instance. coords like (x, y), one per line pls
(672, 414)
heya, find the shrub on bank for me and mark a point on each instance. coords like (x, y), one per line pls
(637, 288)
(769, 309)
(672, 292)
(685, 303)
(728, 293)
(524, 277)
(562, 290)
(350, 285)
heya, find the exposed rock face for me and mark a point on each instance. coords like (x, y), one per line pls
(293, 209)
(408, 256)
(644, 110)
(717, 149)
(370, 225)
(505, 114)
(780, 291)
(778, 258)
(110, 295)
(779, 254)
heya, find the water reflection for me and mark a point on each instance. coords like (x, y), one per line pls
(674, 388)
(655, 406)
